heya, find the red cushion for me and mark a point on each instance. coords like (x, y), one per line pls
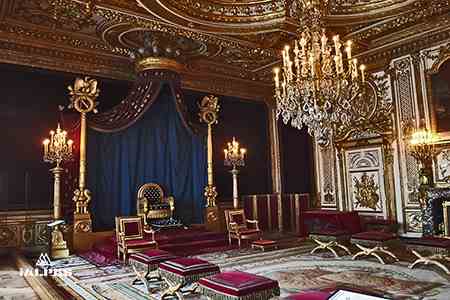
(131, 228)
(238, 219)
(188, 266)
(154, 256)
(351, 222)
(237, 283)
(374, 236)
(431, 242)
(249, 231)
(309, 295)
(264, 242)
(330, 232)
(139, 243)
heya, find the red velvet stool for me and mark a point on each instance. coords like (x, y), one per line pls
(180, 272)
(438, 247)
(149, 262)
(373, 243)
(329, 239)
(237, 285)
(264, 245)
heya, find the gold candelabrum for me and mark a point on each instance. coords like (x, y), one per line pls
(235, 157)
(422, 148)
(57, 150)
(83, 97)
(209, 109)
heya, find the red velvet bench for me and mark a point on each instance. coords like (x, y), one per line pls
(149, 262)
(438, 247)
(181, 272)
(237, 285)
(329, 239)
(373, 243)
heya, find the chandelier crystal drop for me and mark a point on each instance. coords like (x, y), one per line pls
(317, 83)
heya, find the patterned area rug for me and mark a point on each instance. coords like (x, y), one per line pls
(294, 269)
(13, 286)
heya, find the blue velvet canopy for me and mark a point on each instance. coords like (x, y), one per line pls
(146, 138)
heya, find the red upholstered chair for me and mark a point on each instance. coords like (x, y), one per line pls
(130, 237)
(239, 227)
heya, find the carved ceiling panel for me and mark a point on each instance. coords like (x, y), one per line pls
(226, 40)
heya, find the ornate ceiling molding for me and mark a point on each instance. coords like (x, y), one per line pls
(229, 17)
(235, 43)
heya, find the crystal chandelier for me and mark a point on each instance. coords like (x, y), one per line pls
(316, 86)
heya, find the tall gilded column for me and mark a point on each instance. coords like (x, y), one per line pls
(83, 95)
(209, 109)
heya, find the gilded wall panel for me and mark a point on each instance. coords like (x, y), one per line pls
(413, 221)
(365, 181)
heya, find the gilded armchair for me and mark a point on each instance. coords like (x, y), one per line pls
(130, 237)
(151, 203)
(240, 228)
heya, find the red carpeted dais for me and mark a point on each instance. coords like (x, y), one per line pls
(181, 242)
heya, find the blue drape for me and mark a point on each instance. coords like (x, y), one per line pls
(157, 148)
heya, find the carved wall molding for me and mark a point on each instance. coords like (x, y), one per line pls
(404, 84)
(25, 229)
(326, 176)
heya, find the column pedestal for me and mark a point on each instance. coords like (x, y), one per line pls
(59, 246)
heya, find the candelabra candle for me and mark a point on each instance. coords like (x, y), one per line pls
(234, 155)
(58, 148)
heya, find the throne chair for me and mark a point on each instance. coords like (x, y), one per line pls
(130, 237)
(241, 228)
(152, 205)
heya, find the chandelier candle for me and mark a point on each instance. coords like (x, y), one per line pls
(316, 87)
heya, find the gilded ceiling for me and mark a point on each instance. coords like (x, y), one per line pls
(227, 46)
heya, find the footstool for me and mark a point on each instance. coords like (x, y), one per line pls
(373, 243)
(264, 245)
(237, 285)
(438, 247)
(329, 239)
(149, 262)
(181, 272)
